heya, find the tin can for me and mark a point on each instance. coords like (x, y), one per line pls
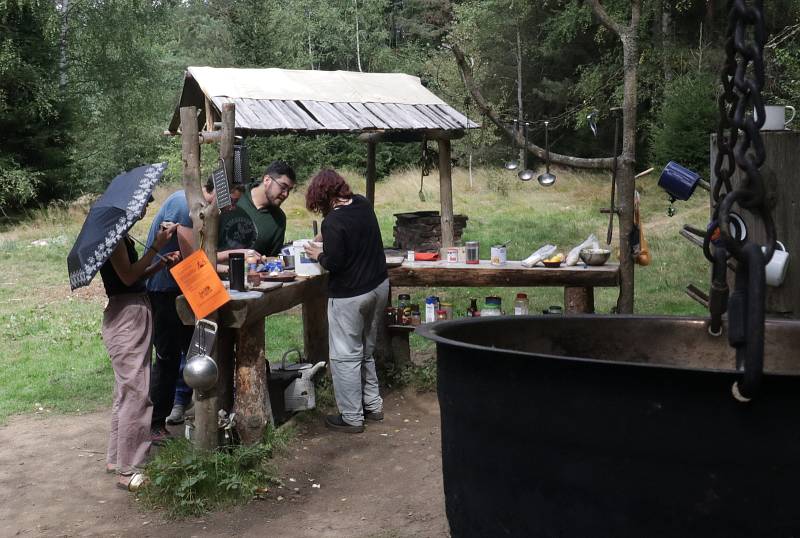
(452, 254)
(499, 255)
(410, 256)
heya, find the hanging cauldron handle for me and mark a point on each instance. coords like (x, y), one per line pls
(746, 322)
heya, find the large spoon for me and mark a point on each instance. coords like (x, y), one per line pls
(546, 179)
(527, 173)
(513, 164)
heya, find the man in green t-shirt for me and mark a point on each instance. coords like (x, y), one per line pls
(258, 221)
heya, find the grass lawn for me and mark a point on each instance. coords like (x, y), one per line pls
(54, 361)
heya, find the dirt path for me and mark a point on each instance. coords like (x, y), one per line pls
(383, 483)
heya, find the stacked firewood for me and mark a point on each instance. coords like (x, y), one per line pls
(422, 230)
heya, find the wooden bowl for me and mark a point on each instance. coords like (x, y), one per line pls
(552, 265)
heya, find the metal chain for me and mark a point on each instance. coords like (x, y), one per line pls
(740, 104)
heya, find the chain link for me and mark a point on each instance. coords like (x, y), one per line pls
(740, 103)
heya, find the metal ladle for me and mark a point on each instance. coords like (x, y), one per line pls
(527, 173)
(513, 164)
(547, 179)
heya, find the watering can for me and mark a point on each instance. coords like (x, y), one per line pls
(300, 394)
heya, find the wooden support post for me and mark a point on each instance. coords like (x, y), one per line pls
(206, 406)
(225, 364)
(228, 138)
(209, 115)
(315, 329)
(578, 300)
(446, 193)
(252, 406)
(371, 173)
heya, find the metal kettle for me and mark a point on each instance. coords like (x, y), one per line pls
(300, 394)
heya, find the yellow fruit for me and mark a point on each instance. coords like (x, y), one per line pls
(555, 259)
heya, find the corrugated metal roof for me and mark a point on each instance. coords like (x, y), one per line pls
(292, 101)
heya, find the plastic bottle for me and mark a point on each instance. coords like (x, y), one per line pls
(521, 305)
(430, 309)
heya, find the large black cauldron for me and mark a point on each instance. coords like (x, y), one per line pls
(593, 426)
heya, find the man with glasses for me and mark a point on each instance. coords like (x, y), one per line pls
(262, 203)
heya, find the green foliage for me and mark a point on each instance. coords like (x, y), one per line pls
(33, 118)
(686, 118)
(309, 154)
(185, 481)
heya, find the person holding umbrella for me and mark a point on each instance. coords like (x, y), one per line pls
(104, 245)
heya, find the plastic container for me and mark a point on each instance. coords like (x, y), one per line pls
(490, 310)
(521, 305)
(303, 265)
(431, 306)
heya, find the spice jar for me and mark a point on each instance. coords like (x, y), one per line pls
(448, 308)
(521, 305)
(441, 315)
(473, 248)
(415, 317)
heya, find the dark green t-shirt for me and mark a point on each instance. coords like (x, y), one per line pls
(266, 234)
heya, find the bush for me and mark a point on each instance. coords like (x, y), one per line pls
(17, 185)
(686, 118)
(185, 481)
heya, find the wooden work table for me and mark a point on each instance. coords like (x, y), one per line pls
(578, 281)
(241, 328)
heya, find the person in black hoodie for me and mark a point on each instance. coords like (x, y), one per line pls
(358, 290)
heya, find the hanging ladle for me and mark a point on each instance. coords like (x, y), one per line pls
(527, 173)
(546, 179)
(513, 164)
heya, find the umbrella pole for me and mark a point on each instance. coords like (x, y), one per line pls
(159, 256)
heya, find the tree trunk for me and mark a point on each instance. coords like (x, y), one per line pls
(625, 177)
(63, 49)
(358, 40)
(515, 137)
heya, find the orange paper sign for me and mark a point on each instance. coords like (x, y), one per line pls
(200, 284)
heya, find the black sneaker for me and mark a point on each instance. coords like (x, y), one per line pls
(335, 422)
(373, 415)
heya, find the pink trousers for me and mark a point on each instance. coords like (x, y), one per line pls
(127, 334)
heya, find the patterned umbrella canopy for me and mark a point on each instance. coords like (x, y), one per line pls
(109, 220)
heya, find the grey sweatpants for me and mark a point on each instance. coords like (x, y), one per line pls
(353, 328)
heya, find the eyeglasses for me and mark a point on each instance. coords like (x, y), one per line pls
(284, 187)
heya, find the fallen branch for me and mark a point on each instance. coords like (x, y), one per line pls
(516, 138)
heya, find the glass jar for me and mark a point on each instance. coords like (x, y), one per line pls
(441, 315)
(490, 310)
(472, 311)
(403, 300)
(448, 308)
(521, 305)
(473, 252)
(416, 319)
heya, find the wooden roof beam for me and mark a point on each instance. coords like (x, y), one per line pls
(411, 136)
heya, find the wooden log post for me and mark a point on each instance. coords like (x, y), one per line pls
(315, 328)
(446, 193)
(578, 300)
(225, 364)
(371, 171)
(252, 406)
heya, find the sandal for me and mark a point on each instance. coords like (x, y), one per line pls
(135, 482)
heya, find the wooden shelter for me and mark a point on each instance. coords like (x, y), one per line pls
(377, 107)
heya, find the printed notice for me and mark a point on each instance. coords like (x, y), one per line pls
(198, 280)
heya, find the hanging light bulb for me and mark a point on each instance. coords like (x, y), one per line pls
(546, 179)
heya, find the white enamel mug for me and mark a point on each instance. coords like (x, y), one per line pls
(776, 117)
(777, 266)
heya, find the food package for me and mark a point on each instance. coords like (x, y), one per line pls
(544, 252)
(575, 254)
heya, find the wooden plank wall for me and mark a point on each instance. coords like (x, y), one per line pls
(780, 171)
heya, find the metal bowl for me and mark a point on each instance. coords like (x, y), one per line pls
(595, 256)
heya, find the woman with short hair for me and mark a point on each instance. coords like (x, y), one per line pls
(358, 289)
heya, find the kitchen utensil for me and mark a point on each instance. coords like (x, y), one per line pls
(300, 394)
(613, 209)
(547, 179)
(527, 173)
(591, 119)
(201, 372)
(775, 117)
(595, 256)
(314, 228)
(513, 164)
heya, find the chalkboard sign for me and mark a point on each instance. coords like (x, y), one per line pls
(221, 190)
